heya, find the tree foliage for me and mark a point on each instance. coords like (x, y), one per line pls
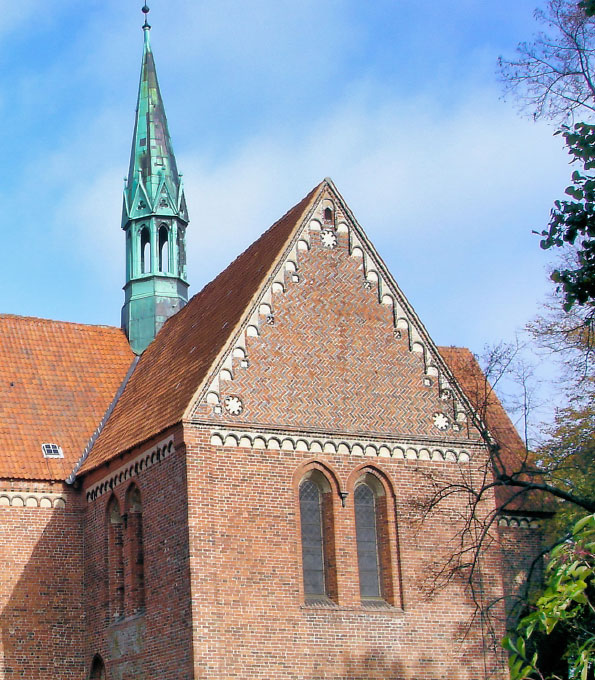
(572, 222)
(566, 609)
(568, 458)
(552, 76)
(566, 450)
(555, 478)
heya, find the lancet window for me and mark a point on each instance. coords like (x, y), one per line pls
(115, 559)
(317, 537)
(164, 249)
(145, 251)
(135, 552)
(374, 553)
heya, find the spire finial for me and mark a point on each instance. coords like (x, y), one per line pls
(145, 10)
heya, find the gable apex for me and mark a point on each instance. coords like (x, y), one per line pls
(328, 221)
(197, 347)
(381, 279)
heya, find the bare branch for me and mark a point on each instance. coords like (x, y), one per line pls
(552, 77)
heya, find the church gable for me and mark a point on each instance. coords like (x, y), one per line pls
(331, 344)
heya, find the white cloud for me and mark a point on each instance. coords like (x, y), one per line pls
(449, 196)
(450, 202)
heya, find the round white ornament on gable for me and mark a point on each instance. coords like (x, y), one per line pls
(441, 421)
(328, 238)
(233, 405)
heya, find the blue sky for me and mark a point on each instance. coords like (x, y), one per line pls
(396, 100)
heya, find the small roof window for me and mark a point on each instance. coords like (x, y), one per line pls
(52, 451)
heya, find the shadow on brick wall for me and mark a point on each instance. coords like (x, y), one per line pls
(41, 586)
(373, 666)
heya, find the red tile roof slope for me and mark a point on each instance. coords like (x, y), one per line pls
(56, 382)
(478, 390)
(173, 366)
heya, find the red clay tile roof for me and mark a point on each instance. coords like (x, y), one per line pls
(173, 366)
(56, 382)
(513, 451)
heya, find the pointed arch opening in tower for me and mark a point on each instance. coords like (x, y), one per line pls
(129, 257)
(164, 249)
(145, 251)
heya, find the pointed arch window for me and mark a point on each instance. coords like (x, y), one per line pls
(367, 542)
(129, 258)
(164, 249)
(374, 555)
(145, 251)
(317, 538)
(115, 559)
(135, 552)
(312, 539)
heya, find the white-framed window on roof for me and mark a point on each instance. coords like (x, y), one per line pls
(52, 451)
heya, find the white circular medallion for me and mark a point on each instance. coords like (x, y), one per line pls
(233, 405)
(441, 421)
(328, 238)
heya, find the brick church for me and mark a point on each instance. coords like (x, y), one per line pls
(233, 486)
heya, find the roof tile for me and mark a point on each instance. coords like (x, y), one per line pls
(483, 398)
(57, 380)
(173, 366)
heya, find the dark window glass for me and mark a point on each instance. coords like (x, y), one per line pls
(163, 249)
(367, 541)
(312, 547)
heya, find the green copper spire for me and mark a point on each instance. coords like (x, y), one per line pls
(154, 216)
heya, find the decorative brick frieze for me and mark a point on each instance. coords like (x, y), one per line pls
(32, 499)
(315, 443)
(518, 522)
(132, 468)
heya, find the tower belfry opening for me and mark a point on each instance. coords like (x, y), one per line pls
(154, 216)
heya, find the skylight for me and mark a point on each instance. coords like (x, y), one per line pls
(52, 451)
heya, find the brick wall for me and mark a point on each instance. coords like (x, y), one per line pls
(329, 366)
(41, 582)
(250, 619)
(332, 359)
(153, 637)
(521, 541)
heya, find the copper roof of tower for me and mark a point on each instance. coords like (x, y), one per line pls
(152, 159)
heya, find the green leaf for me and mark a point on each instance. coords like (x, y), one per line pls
(582, 523)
